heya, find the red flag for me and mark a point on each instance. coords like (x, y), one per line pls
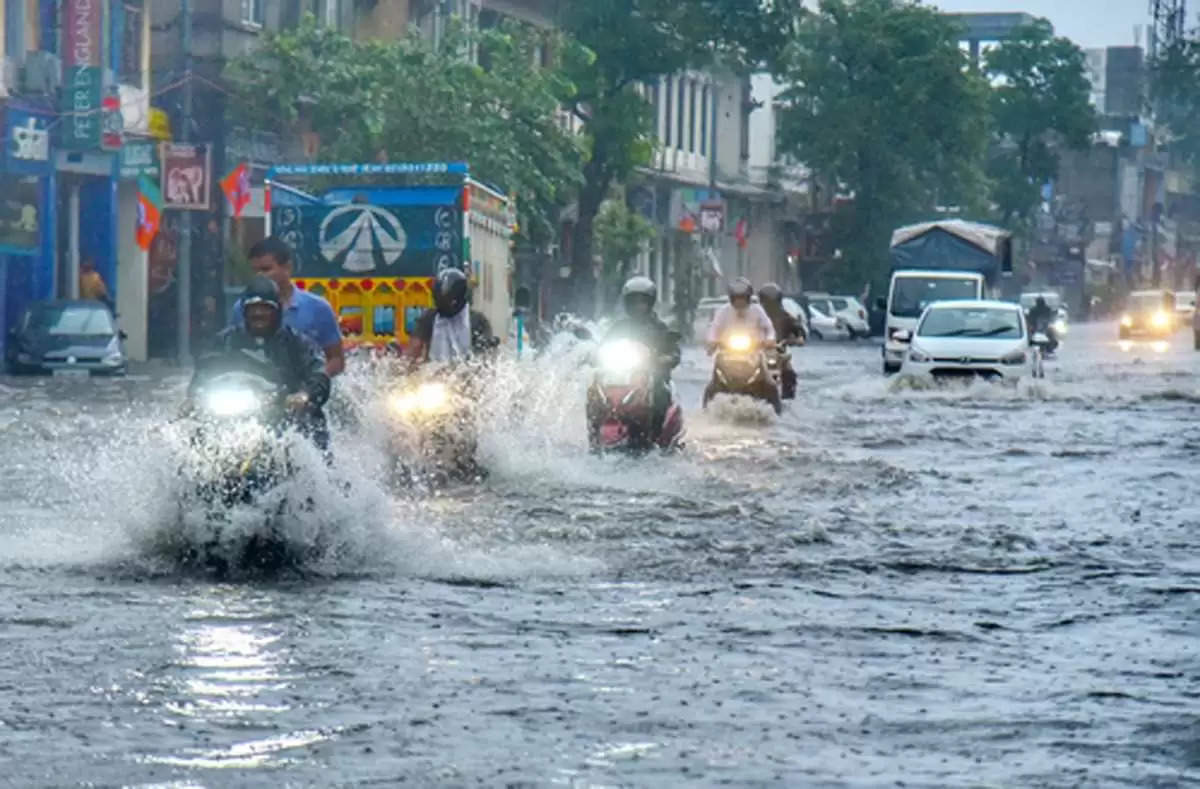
(236, 187)
(149, 212)
(739, 232)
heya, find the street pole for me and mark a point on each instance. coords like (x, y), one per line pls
(184, 270)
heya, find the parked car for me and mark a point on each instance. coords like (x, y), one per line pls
(848, 308)
(823, 326)
(67, 336)
(968, 339)
(793, 308)
(1149, 312)
(1185, 306)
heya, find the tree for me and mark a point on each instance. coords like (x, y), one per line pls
(621, 234)
(880, 102)
(1175, 88)
(403, 100)
(633, 42)
(1039, 104)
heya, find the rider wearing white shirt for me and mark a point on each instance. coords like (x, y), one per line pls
(740, 313)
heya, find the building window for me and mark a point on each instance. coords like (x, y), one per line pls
(667, 111)
(692, 116)
(704, 121)
(131, 44)
(680, 140)
(252, 12)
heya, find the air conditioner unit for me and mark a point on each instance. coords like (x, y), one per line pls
(41, 73)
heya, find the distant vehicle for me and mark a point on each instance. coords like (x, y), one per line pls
(1185, 306)
(1149, 313)
(848, 308)
(793, 308)
(67, 337)
(826, 327)
(972, 338)
(1062, 319)
(938, 261)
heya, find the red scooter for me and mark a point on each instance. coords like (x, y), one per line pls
(619, 407)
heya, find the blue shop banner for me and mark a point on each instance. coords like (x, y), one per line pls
(27, 143)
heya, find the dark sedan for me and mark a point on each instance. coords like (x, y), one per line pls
(66, 336)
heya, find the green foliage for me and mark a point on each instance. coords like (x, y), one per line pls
(1038, 105)
(620, 235)
(1175, 87)
(881, 103)
(405, 101)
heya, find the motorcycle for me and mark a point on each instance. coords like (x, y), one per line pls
(620, 402)
(743, 368)
(1043, 346)
(236, 459)
(433, 431)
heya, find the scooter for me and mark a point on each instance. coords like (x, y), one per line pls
(742, 367)
(620, 402)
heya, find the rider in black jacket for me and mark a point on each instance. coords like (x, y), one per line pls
(262, 344)
(641, 325)
(788, 331)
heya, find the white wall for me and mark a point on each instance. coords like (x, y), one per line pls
(132, 273)
(763, 148)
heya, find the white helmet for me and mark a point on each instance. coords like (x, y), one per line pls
(643, 287)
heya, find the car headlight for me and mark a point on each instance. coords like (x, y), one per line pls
(1014, 358)
(739, 343)
(231, 402)
(622, 355)
(425, 399)
(918, 356)
(1126, 321)
(1161, 320)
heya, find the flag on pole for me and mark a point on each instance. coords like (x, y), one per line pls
(149, 211)
(236, 187)
(740, 231)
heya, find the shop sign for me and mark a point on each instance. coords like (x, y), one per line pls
(27, 143)
(138, 159)
(82, 92)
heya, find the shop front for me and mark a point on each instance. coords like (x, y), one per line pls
(26, 214)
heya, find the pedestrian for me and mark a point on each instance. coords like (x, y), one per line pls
(305, 313)
(91, 284)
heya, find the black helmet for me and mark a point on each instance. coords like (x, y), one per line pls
(450, 292)
(639, 288)
(741, 288)
(262, 290)
(770, 293)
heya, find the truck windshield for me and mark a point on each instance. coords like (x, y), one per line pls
(911, 295)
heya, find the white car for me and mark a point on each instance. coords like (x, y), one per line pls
(848, 308)
(826, 327)
(793, 308)
(1185, 305)
(967, 339)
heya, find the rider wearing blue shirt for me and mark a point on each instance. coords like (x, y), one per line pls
(307, 314)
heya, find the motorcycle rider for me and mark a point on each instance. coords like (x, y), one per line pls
(1041, 319)
(740, 313)
(451, 331)
(262, 341)
(788, 331)
(640, 324)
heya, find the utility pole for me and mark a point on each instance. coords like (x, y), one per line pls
(183, 272)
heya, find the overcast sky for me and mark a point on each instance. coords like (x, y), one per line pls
(1090, 23)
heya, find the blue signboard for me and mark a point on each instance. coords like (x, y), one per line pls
(27, 143)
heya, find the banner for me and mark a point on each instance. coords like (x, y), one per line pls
(20, 219)
(138, 159)
(149, 212)
(236, 187)
(82, 47)
(371, 240)
(27, 138)
(186, 176)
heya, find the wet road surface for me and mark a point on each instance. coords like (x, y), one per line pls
(972, 586)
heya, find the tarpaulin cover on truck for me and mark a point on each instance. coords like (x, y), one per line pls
(954, 245)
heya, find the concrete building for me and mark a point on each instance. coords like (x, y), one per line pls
(75, 84)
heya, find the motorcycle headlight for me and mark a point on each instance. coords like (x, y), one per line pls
(1014, 358)
(1060, 327)
(622, 355)
(739, 343)
(425, 399)
(1126, 321)
(231, 402)
(918, 356)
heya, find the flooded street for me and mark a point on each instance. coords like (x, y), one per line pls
(982, 586)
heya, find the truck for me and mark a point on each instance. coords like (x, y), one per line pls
(374, 237)
(940, 260)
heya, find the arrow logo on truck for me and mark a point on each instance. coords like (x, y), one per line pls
(372, 234)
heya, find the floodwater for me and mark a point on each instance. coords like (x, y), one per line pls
(972, 586)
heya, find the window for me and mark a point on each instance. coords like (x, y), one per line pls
(692, 116)
(667, 111)
(679, 139)
(252, 12)
(131, 44)
(704, 121)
